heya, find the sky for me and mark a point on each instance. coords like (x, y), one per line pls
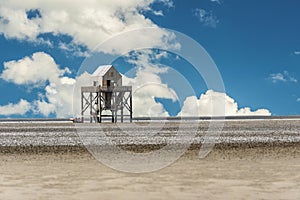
(254, 45)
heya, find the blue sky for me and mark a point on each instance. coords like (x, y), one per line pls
(255, 45)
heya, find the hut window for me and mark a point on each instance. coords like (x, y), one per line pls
(110, 74)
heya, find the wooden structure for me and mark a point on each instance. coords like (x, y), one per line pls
(106, 94)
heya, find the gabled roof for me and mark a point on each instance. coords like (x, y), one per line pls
(101, 70)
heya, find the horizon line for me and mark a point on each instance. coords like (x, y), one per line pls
(170, 118)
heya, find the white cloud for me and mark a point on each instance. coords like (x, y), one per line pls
(158, 13)
(41, 68)
(15, 24)
(38, 68)
(216, 1)
(19, 108)
(74, 49)
(207, 18)
(277, 77)
(43, 107)
(298, 100)
(297, 52)
(88, 22)
(212, 104)
(282, 77)
(247, 111)
(168, 3)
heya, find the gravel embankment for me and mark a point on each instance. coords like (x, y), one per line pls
(144, 136)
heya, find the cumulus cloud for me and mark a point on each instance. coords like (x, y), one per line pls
(207, 18)
(282, 77)
(87, 22)
(41, 68)
(38, 68)
(43, 107)
(213, 103)
(19, 108)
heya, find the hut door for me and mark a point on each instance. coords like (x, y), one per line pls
(108, 83)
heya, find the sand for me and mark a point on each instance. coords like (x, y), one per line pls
(79, 176)
(267, 168)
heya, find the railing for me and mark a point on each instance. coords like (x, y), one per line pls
(106, 89)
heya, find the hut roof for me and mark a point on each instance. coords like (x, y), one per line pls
(101, 70)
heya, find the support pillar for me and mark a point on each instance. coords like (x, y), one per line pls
(130, 99)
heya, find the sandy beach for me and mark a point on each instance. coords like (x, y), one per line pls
(257, 159)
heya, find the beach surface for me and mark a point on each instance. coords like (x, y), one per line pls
(252, 159)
